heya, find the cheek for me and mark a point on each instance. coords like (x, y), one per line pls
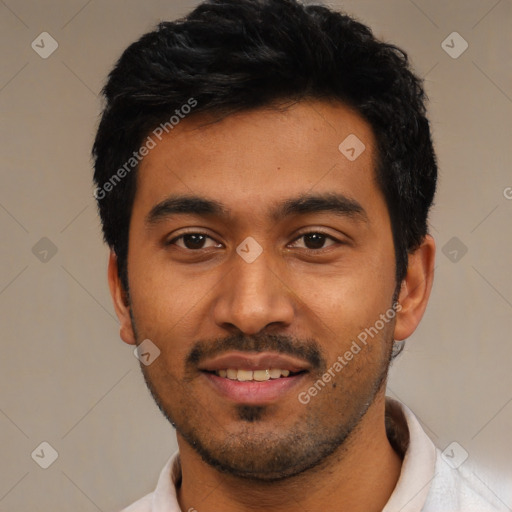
(355, 293)
(349, 304)
(169, 306)
(156, 302)
(159, 293)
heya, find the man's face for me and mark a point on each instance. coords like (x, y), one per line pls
(211, 302)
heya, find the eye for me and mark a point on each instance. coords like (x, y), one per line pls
(314, 240)
(192, 241)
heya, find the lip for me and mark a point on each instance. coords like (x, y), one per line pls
(253, 392)
(255, 361)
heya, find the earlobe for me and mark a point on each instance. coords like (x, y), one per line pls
(415, 289)
(120, 300)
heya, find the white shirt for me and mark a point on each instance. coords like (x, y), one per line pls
(427, 482)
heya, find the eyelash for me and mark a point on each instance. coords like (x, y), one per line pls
(316, 232)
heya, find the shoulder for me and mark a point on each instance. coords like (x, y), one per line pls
(164, 495)
(142, 505)
(459, 489)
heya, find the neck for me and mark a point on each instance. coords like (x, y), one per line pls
(359, 476)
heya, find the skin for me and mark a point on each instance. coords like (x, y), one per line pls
(333, 449)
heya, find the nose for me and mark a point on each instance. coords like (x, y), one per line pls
(253, 297)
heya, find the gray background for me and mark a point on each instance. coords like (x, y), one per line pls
(67, 379)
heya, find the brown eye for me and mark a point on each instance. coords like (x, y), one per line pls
(191, 241)
(315, 240)
(194, 241)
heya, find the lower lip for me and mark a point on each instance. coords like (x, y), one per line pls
(253, 392)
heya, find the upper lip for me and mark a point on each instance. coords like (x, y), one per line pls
(258, 361)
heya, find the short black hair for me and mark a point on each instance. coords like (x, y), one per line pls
(228, 56)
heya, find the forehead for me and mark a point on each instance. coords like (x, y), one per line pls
(251, 159)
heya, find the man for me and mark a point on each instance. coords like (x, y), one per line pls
(264, 172)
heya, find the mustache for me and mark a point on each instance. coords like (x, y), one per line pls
(308, 349)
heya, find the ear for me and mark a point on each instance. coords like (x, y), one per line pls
(415, 289)
(120, 299)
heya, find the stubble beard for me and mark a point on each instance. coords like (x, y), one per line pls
(269, 454)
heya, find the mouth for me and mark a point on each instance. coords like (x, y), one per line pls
(255, 379)
(245, 375)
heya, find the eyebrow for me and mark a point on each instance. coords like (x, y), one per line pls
(335, 203)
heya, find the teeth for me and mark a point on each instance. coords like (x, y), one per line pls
(257, 375)
(231, 374)
(275, 374)
(261, 375)
(244, 375)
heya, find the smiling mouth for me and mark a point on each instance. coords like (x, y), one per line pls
(243, 375)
